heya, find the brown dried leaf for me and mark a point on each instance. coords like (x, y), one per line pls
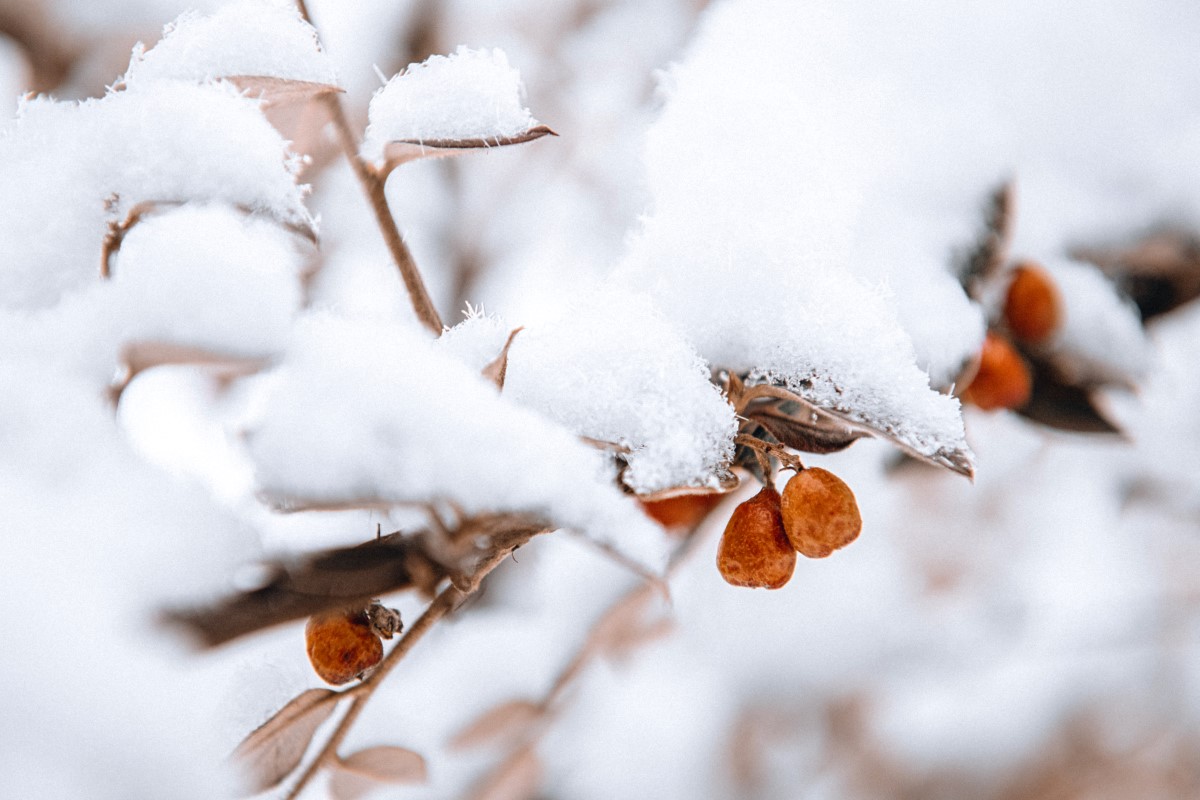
(404, 150)
(728, 482)
(808, 433)
(359, 773)
(1058, 404)
(281, 91)
(507, 721)
(1160, 272)
(829, 428)
(137, 357)
(516, 779)
(496, 370)
(276, 747)
(983, 261)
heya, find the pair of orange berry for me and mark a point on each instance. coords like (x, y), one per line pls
(1032, 313)
(816, 515)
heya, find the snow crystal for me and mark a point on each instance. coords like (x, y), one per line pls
(72, 170)
(610, 368)
(468, 95)
(375, 411)
(251, 39)
(1101, 338)
(750, 245)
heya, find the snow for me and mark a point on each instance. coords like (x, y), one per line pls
(748, 245)
(405, 423)
(72, 169)
(646, 389)
(1101, 338)
(467, 95)
(248, 39)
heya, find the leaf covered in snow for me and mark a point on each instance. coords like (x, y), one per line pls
(464, 101)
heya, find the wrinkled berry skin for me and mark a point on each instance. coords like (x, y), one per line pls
(1032, 306)
(820, 514)
(1003, 379)
(754, 550)
(342, 645)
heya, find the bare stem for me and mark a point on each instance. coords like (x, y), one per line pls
(373, 184)
(787, 458)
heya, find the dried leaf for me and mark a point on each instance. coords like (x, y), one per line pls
(1060, 405)
(496, 370)
(359, 773)
(518, 778)
(137, 357)
(1160, 272)
(326, 580)
(728, 482)
(281, 91)
(508, 721)
(403, 151)
(275, 748)
(806, 432)
(990, 253)
(828, 428)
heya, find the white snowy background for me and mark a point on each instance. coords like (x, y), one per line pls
(768, 186)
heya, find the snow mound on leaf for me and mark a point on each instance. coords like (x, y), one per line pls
(611, 368)
(470, 94)
(72, 170)
(375, 410)
(250, 39)
(751, 247)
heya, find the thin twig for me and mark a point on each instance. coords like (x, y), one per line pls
(446, 601)
(373, 184)
(786, 457)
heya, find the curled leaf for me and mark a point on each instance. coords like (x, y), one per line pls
(275, 748)
(508, 721)
(1058, 404)
(402, 151)
(274, 92)
(1160, 272)
(990, 252)
(359, 773)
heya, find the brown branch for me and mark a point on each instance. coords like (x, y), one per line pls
(446, 601)
(373, 185)
(787, 458)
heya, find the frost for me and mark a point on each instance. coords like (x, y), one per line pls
(397, 420)
(469, 95)
(1101, 338)
(73, 170)
(610, 368)
(250, 39)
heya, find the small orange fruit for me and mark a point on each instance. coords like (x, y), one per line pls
(342, 645)
(754, 550)
(683, 512)
(820, 514)
(1032, 307)
(1003, 379)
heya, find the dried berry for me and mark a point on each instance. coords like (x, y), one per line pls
(342, 645)
(683, 512)
(1032, 307)
(754, 550)
(820, 514)
(1003, 379)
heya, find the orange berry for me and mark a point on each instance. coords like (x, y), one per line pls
(1032, 307)
(754, 551)
(342, 645)
(820, 514)
(1003, 379)
(682, 512)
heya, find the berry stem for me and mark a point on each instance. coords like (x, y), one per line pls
(787, 458)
